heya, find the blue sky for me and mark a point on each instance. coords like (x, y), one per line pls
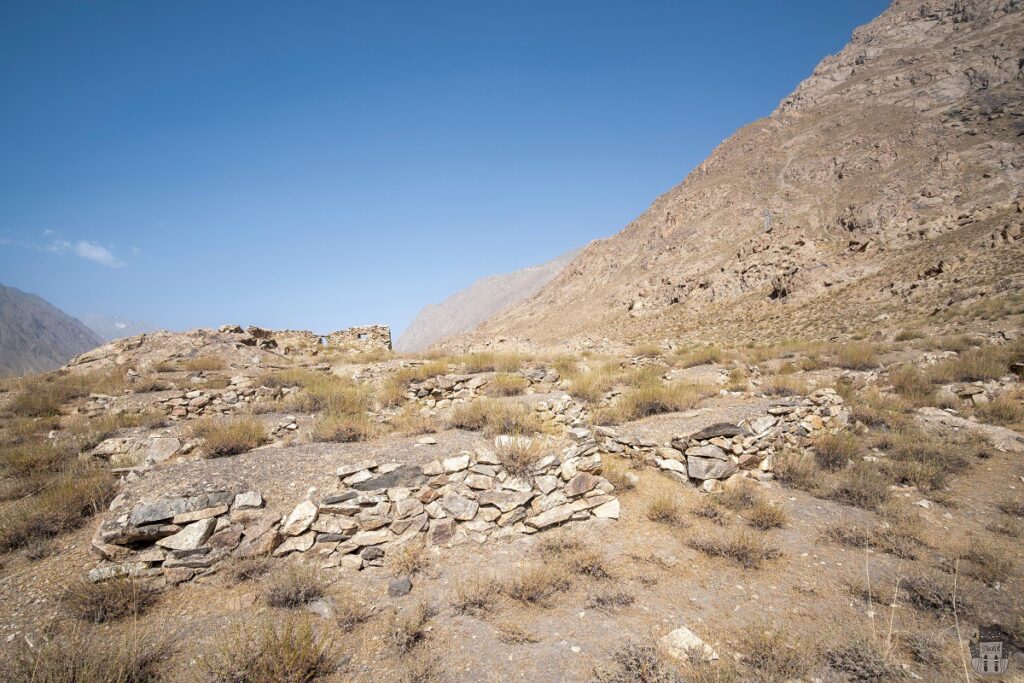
(319, 165)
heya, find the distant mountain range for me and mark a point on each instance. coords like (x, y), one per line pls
(36, 336)
(110, 327)
(464, 310)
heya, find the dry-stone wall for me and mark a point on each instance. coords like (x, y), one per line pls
(470, 496)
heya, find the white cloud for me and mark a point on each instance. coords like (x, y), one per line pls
(86, 249)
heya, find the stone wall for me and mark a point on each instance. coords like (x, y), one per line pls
(362, 338)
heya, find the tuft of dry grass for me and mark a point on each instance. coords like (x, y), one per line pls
(912, 385)
(652, 397)
(1012, 506)
(494, 417)
(766, 516)
(665, 507)
(740, 497)
(832, 452)
(855, 356)
(535, 584)
(610, 600)
(744, 548)
(229, 437)
(294, 586)
(488, 361)
(637, 662)
(1006, 411)
(874, 409)
(934, 592)
(410, 422)
(987, 362)
(349, 611)
(107, 601)
(274, 650)
(476, 596)
(785, 385)
(707, 508)
(775, 654)
(408, 628)
(592, 383)
(407, 559)
(702, 355)
(986, 562)
(923, 461)
(619, 472)
(796, 469)
(87, 655)
(505, 384)
(861, 485)
(511, 633)
(248, 569)
(518, 454)
(863, 659)
(204, 364)
(647, 351)
(45, 395)
(344, 427)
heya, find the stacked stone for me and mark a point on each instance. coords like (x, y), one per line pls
(182, 405)
(446, 390)
(723, 450)
(470, 496)
(180, 538)
(563, 410)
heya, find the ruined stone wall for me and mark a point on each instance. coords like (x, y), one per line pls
(363, 338)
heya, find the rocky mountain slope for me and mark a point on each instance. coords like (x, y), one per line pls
(464, 310)
(36, 336)
(111, 327)
(885, 190)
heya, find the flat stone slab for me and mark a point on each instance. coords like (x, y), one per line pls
(719, 429)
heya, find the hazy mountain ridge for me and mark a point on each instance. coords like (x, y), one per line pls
(111, 327)
(464, 310)
(36, 336)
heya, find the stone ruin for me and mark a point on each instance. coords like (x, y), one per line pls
(354, 339)
(467, 497)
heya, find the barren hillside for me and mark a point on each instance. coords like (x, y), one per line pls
(885, 187)
(36, 336)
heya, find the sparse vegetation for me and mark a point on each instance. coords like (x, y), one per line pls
(492, 362)
(278, 650)
(766, 516)
(86, 655)
(861, 485)
(665, 507)
(294, 586)
(535, 584)
(775, 654)
(744, 548)
(494, 416)
(856, 356)
(229, 437)
(702, 355)
(784, 385)
(511, 633)
(797, 470)
(832, 452)
(476, 596)
(651, 397)
(204, 364)
(518, 454)
(344, 427)
(108, 600)
(407, 629)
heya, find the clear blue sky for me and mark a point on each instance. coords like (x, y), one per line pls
(324, 164)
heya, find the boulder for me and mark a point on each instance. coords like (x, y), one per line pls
(300, 519)
(189, 538)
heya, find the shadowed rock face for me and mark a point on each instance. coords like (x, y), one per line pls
(463, 311)
(36, 336)
(887, 184)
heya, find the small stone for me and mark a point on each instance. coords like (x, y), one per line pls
(427, 441)
(459, 507)
(248, 500)
(581, 483)
(196, 515)
(292, 544)
(718, 429)
(555, 515)
(609, 510)
(346, 470)
(399, 587)
(192, 536)
(456, 463)
(680, 642)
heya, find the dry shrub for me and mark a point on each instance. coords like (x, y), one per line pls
(1007, 526)
(586, 561)
(60, 503)
(204, 364)
(107, 601)
(511, 633)
(913, 385)
(898, 538)
(647, 351)
(276, 650)
(229, 437)
(1012, 506)
(878, 410)
(652, 397)
(637, 663)
(861, 485)
(766, 516)
(421, 372)
(323, 393)
(796, 469)
(535, 584)
(488, 361)
(908, 335)
(744, 548)
(740, 497)
(294, 586)
(703, 355)
(392, 392)
(87, 655)
(923, 461)
(832, 452)
(987, 362)
(407, 629)
(476, 596)
(986, 562)
(349, 611)
(408, 559)
(494, 417)
(863, 659)
(775, 654)
(45, 395)
(784, 385)
(707, 508)
(608, 601)
(505, 384)
(344, 427)
(856, 356)
(934, 592)
(289, 377)
(518, 454)
(1005, 410)
(591, 384)
(665, 507)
